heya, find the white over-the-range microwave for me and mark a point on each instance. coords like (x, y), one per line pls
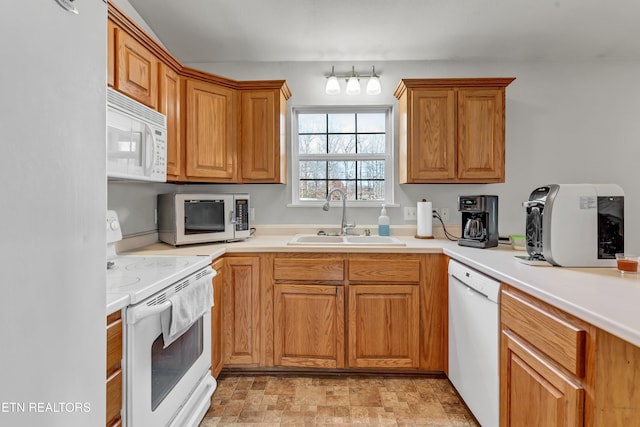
(136, 140)
(185, 218)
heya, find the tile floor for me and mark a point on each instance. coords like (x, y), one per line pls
(270, 400)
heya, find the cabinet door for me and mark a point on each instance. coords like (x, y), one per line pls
(137, 70)
(169, 105)
(114, 369)
(431, 149)
(217, 352)
(535, 393)
(263, 144)
(309, 325)
(384, 323)
(481, 134)
(111, 53)
(241, 307)
(211, 136)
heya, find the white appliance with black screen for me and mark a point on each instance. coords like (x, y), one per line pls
(474, 341)
(166, 384)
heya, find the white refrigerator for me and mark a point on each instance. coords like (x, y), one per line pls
(52, 214)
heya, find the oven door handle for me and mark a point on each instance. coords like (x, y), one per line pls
(138, 313)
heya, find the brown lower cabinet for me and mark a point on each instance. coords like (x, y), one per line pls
(217, 343)
(334, 311)
(357, 311)
(557, 370)
(384, 311)
(309, 325)
(114, 369)
(384, 323)
(539, 394)
(241, 311)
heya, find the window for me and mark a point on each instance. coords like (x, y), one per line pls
(342, 147)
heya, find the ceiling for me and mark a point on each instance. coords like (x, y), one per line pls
(393, 30)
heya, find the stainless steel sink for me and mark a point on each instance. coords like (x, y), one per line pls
(314, 240)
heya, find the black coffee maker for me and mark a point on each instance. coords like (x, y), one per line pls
(479, 221)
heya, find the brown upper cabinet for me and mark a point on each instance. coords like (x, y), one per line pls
(136, 69)
(219, 130)
(451, 130)
(169, 105)
(262, 130)
(210, 126)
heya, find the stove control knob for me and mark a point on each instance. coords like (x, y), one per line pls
(112, 225)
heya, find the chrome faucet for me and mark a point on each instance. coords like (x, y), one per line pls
(344, 227)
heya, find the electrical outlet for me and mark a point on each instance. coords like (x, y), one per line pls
(444, 214)
(410, 213)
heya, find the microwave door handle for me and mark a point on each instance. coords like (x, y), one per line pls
(232, 217)
(149, 152)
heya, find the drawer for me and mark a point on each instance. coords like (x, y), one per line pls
(114, 345)
(114, 397)
(384, 270)
(549, 330)
(308, 269)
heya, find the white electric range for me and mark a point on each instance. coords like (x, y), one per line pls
(167, 378)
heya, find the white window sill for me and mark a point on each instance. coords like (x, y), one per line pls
(338, 203)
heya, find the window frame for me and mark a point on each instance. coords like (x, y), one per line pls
(388, 156)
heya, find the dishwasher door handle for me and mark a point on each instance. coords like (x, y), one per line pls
(469, 288)
(475, 291)
(489, 290)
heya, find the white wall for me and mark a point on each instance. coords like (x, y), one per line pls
(567, 122)
(52, 167)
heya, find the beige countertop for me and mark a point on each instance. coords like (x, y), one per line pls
(600, 296)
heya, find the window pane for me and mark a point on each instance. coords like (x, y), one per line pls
(371, 122)
(312, 123)
(341, 169)
(371, 143)
(342, 123)
(371, 190)
(313, 169)
(371, 169)
(312, 144)
(349, 187)
(313, 190)
(339, 144)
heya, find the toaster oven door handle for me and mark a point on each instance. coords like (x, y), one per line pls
(138, 313)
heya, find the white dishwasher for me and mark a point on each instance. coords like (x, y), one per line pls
(474, 341)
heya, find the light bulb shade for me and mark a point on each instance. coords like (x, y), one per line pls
(373, 85)
(353, 86)
(333, 86)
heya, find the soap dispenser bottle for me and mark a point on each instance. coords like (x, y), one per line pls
(383, 223)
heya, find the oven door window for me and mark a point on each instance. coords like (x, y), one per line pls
(168, 365)
(203, 216)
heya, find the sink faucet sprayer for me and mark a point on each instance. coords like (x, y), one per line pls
(344, 227)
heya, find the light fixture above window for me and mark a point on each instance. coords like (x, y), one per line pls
(332, 86)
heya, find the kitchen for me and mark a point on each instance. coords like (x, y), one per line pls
(570, 118)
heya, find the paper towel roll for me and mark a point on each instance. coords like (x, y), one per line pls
(424, 215)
